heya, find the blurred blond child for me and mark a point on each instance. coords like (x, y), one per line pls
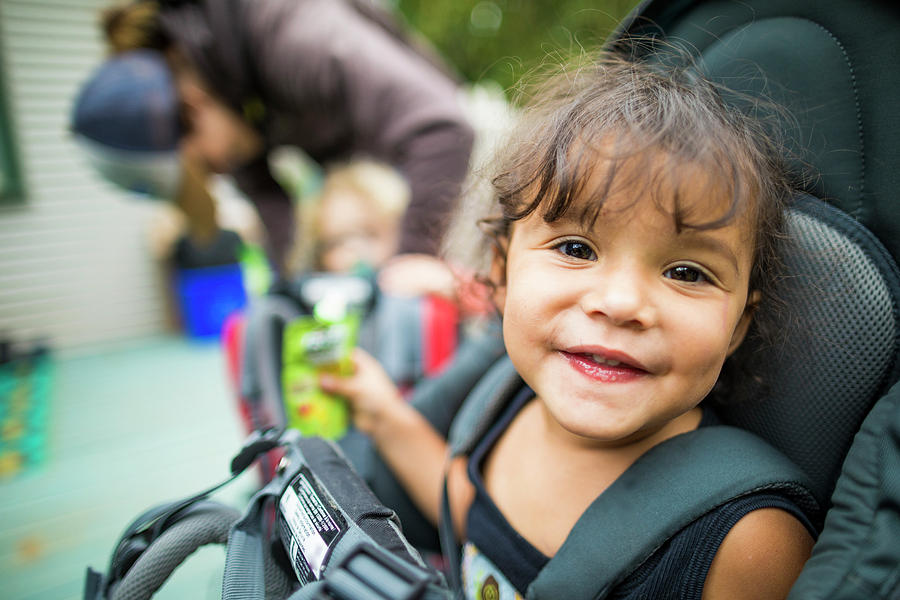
(354, 221)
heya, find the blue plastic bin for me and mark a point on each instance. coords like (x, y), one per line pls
(207, 296)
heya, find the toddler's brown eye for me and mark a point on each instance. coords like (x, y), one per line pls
(578, 250)
(687, 274)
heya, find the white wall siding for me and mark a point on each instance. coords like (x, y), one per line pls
(74, 265)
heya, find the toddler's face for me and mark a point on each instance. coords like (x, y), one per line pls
(351, 232)
(623, 327)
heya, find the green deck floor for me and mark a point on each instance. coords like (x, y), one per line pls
(128, 429)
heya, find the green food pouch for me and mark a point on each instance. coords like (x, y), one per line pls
(314, 344)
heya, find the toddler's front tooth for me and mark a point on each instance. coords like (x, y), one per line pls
(604, 361)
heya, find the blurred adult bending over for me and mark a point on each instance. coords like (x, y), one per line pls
(335, 78)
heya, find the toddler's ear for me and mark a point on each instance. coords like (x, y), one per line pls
(743, 325)
(497, 275)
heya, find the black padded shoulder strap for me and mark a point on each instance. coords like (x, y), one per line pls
(669, 487)
(479, 410)
(483, 405)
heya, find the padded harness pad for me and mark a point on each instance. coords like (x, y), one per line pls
(841, 328)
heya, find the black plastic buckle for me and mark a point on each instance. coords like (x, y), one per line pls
(372, 573)
(261, 440)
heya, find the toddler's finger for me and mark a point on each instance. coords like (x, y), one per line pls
(331, 383)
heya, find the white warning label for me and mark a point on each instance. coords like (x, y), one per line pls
(308, 526)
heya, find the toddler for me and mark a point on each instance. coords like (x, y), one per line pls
(637, 233)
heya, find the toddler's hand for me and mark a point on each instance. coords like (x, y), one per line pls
(371, 393)
(415, 275)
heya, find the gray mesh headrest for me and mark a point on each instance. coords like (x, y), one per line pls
(841, 327)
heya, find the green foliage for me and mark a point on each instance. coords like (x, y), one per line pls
(500, 40)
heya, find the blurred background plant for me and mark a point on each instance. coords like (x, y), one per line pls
(500, 40)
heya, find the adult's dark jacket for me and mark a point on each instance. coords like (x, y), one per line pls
(337, 83)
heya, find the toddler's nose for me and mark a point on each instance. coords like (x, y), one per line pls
(622, 296)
